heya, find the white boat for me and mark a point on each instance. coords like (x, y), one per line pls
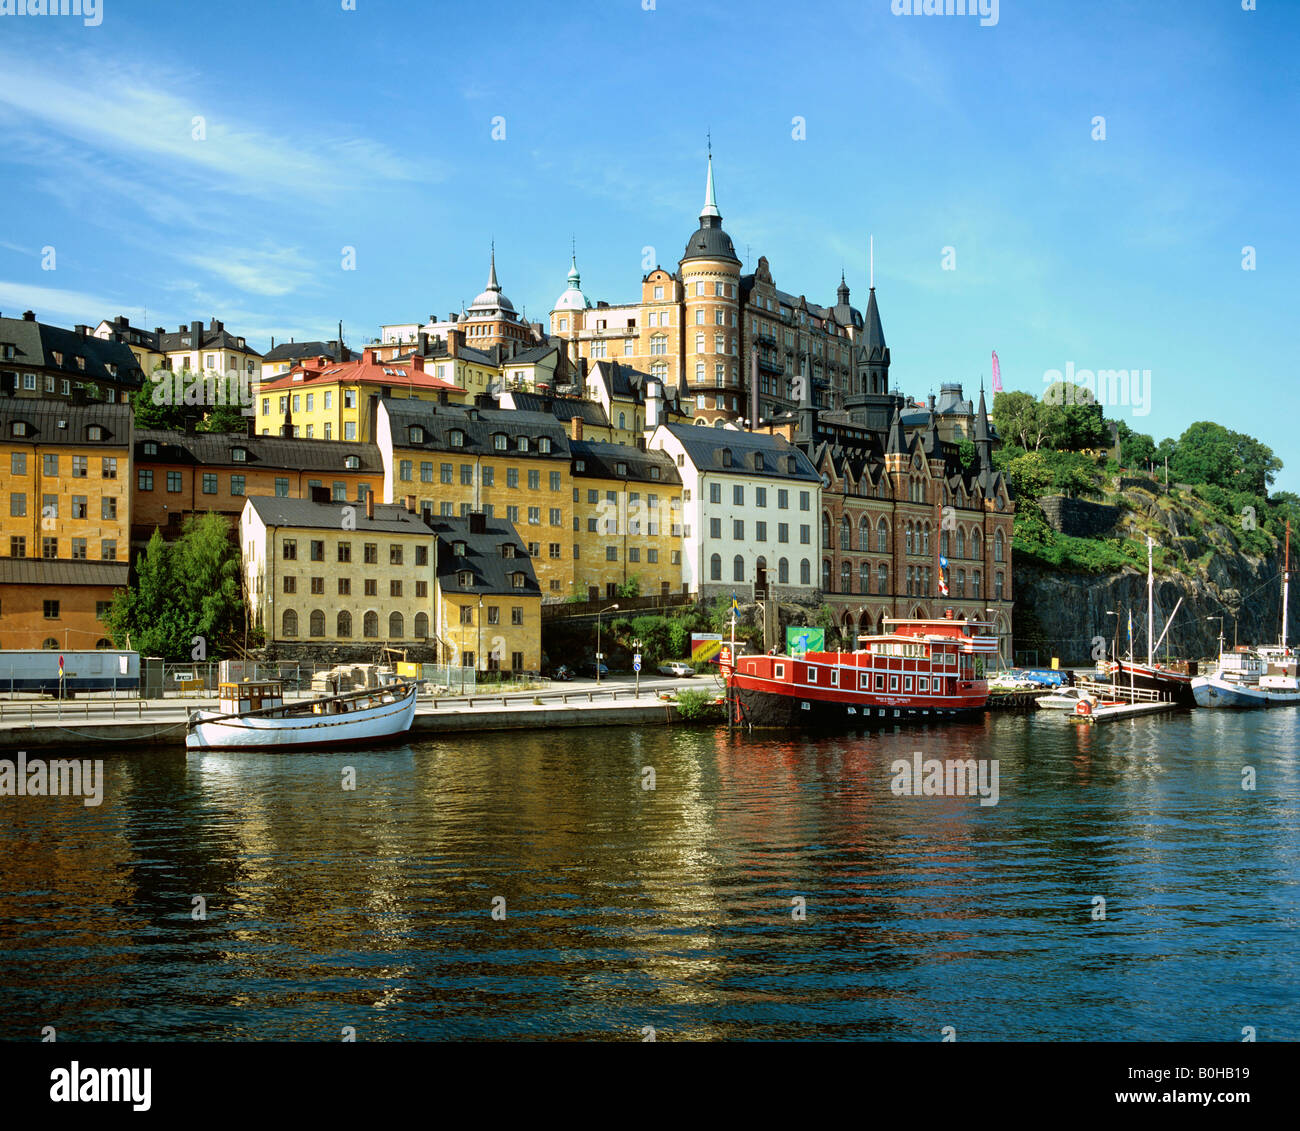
(1060, 699)
(1268, 676)
(254, 716)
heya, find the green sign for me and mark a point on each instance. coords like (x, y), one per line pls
(800, 640)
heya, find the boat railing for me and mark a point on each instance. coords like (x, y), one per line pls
(1117, 691)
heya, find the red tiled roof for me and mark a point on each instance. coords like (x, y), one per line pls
(365, 371)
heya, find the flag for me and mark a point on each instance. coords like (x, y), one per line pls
(943, 586)
(943, 562)
(1130, 631)
(943, 580)
(997, 373)
(735, 601)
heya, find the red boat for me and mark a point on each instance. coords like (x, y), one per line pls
(917, 670)
(1168, 683)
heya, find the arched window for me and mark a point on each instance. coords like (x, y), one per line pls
(882, 580)
(826, 531)
(864, 534)
(715, 567)
(421, 626)
(959, 589)
(846, 534)
(103, 642)
(846, 577)
(343, 625)
(925, 539)
(316, 623)
(998, 546)
(975, 543)
(864, 578)
(622, 420)
(975, 584)
(738, 568)
(783, 572)
(911, 579)
(909, 537)
(289, 623)
(826, 575)
(396, 626)
(943, 543)
(805, 572)
(882, 537)
(961, 544)
(997, 586)
(50, 643)
(370, 625)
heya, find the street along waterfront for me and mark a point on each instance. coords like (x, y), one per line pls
(531, 886)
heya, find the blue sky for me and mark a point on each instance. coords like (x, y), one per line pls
(372, 128)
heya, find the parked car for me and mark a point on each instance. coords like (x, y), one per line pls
(676, 668)
(589, 669)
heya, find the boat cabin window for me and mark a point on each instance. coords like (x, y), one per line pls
(893, 683)
(780, 671)
(812, 675)
(880, 683)
(864, 681)
(835, 677)
(922, 684)
(907, 683)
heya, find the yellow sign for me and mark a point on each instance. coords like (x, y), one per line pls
(1056, 663)
(705, 645)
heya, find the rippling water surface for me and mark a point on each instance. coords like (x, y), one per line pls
(627, 907)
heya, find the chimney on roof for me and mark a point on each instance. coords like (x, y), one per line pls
(423, 340)
(368, 356)
(250, 425)
(455, 342)
(370, 505)
(453, 316)
(477, 522)
(160, 331)
(82, 330)
(196, 328)
(575, 426)
(320, 494)
(442, 396)
(29, 316)
(417, 363)
(216, 326)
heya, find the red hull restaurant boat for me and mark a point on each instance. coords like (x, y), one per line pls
(917, 670)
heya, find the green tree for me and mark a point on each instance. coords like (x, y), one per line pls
(1020, 419)
(1136, 449)
(163, 416)
(223, 418)
(1210, 453)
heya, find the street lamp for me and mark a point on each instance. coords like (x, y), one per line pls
(1115, 647)
(636, 650)
(1220, 620)
(598, 616)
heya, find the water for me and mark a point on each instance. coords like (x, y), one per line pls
(670, 908)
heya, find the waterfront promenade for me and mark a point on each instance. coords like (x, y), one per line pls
(91, 722)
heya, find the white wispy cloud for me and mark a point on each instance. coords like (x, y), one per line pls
(269, 271)
(53, 304)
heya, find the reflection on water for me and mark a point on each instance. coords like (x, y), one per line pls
(673, 907)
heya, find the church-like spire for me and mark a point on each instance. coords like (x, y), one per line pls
(874, 332)
(842, 291)
(897, 441)
(492, 284)
(710, 208)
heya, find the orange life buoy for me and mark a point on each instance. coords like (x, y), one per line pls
(1083, 707)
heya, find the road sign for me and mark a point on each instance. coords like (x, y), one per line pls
(636, 665)
(636, 657)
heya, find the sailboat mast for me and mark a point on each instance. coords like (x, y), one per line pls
(1286, 582)
(1151, 613)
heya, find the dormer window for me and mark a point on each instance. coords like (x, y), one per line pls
(238, 455)
(112, 370)
(465, 578)
(620, 469)
(518, 580)
(507, 549)
(759, 465)
(726, 457)
(523, 443)
(458, 548)
(95, 432)
(416, 434)
(654, 473)
(456, 438)
(81, 362)
(579, 465)
(58, 357)
(544, 445)
(791, 464)
(20, 428)
(500, 441)
(7, 351)
(149, 448)
(352, 463)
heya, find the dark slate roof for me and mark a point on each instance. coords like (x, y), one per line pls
(36, 343)
(530, 356)
(52, 421)
(709, 241)
(57, 571)
(562, 408)
(620, 381)
(213, 336)
(296, 454)
(307, 515)
(479, 426)
(293, 351)
(600, 461)
(704, 448)
(483, 558)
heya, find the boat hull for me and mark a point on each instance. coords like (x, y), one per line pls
(768, 710)
(1172, 687)
(1218, 693)
(367, 726)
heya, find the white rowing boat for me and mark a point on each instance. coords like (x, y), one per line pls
(254, 716)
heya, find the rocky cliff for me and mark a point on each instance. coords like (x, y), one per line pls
(1063, 613)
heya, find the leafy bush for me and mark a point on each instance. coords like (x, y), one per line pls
(697, 706)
